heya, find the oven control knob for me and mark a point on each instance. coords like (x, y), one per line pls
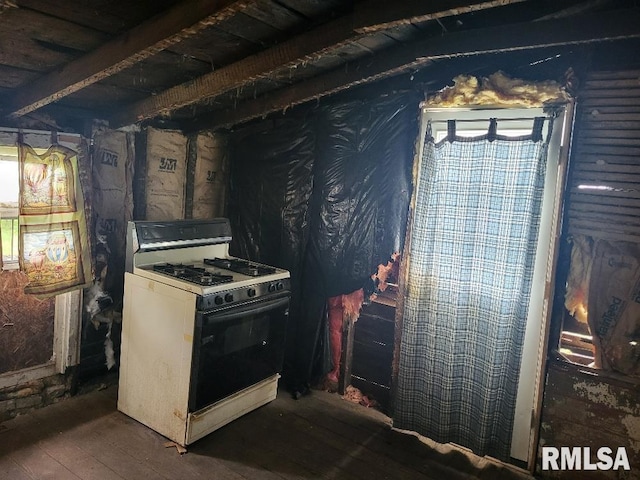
(228, 297)
(272, 287)
(279, 285)
(251, 292)
(218, 300)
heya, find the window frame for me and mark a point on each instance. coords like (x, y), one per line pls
(68, 306)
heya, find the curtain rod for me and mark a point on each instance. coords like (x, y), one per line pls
(11, 130)
(470, 120)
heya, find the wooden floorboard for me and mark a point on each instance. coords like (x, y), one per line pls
(10, 469)
(318, 436)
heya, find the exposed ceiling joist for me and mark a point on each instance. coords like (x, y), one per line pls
(549, 33)
(288, 54)
(156, 34)
(381, 14)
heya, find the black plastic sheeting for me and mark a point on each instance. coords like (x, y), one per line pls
(271, 183)
(323, 192)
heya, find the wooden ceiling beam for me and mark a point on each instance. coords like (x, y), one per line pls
(288, 54)
(158, 33)
(380, 15)
(395, 60)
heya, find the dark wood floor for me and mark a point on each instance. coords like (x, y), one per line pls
(318, 436)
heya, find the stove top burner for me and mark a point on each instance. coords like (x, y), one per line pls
(193, 274)
(240, 266)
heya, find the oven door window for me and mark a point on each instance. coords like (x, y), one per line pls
(236, 348)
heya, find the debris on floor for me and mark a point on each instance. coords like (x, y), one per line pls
(181, 450)
(352, 394)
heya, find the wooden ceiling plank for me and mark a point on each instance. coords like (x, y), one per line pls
(215, 47)
(150, 37)
(275, 15)
(380, 15)
(575, 9)
(250, 29)
(152, 75)
(313, 8)
(41, 43)
(376, 42)
(395, 60)
(102, 15)
(608, 76)
(29, 55)
(11, 77)
(28, 24)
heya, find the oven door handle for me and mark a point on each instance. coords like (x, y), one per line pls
(254, 309)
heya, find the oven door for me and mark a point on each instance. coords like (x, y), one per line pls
(236, 348)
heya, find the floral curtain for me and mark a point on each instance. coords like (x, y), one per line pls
(53, 241)
(472, 249)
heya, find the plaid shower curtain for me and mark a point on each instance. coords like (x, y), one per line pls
(472, 249)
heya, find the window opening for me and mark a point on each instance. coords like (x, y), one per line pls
(9, 207)
(516, 123)
(507, 132)
(27, 322)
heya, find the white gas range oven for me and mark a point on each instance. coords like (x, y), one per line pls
(203, 333)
